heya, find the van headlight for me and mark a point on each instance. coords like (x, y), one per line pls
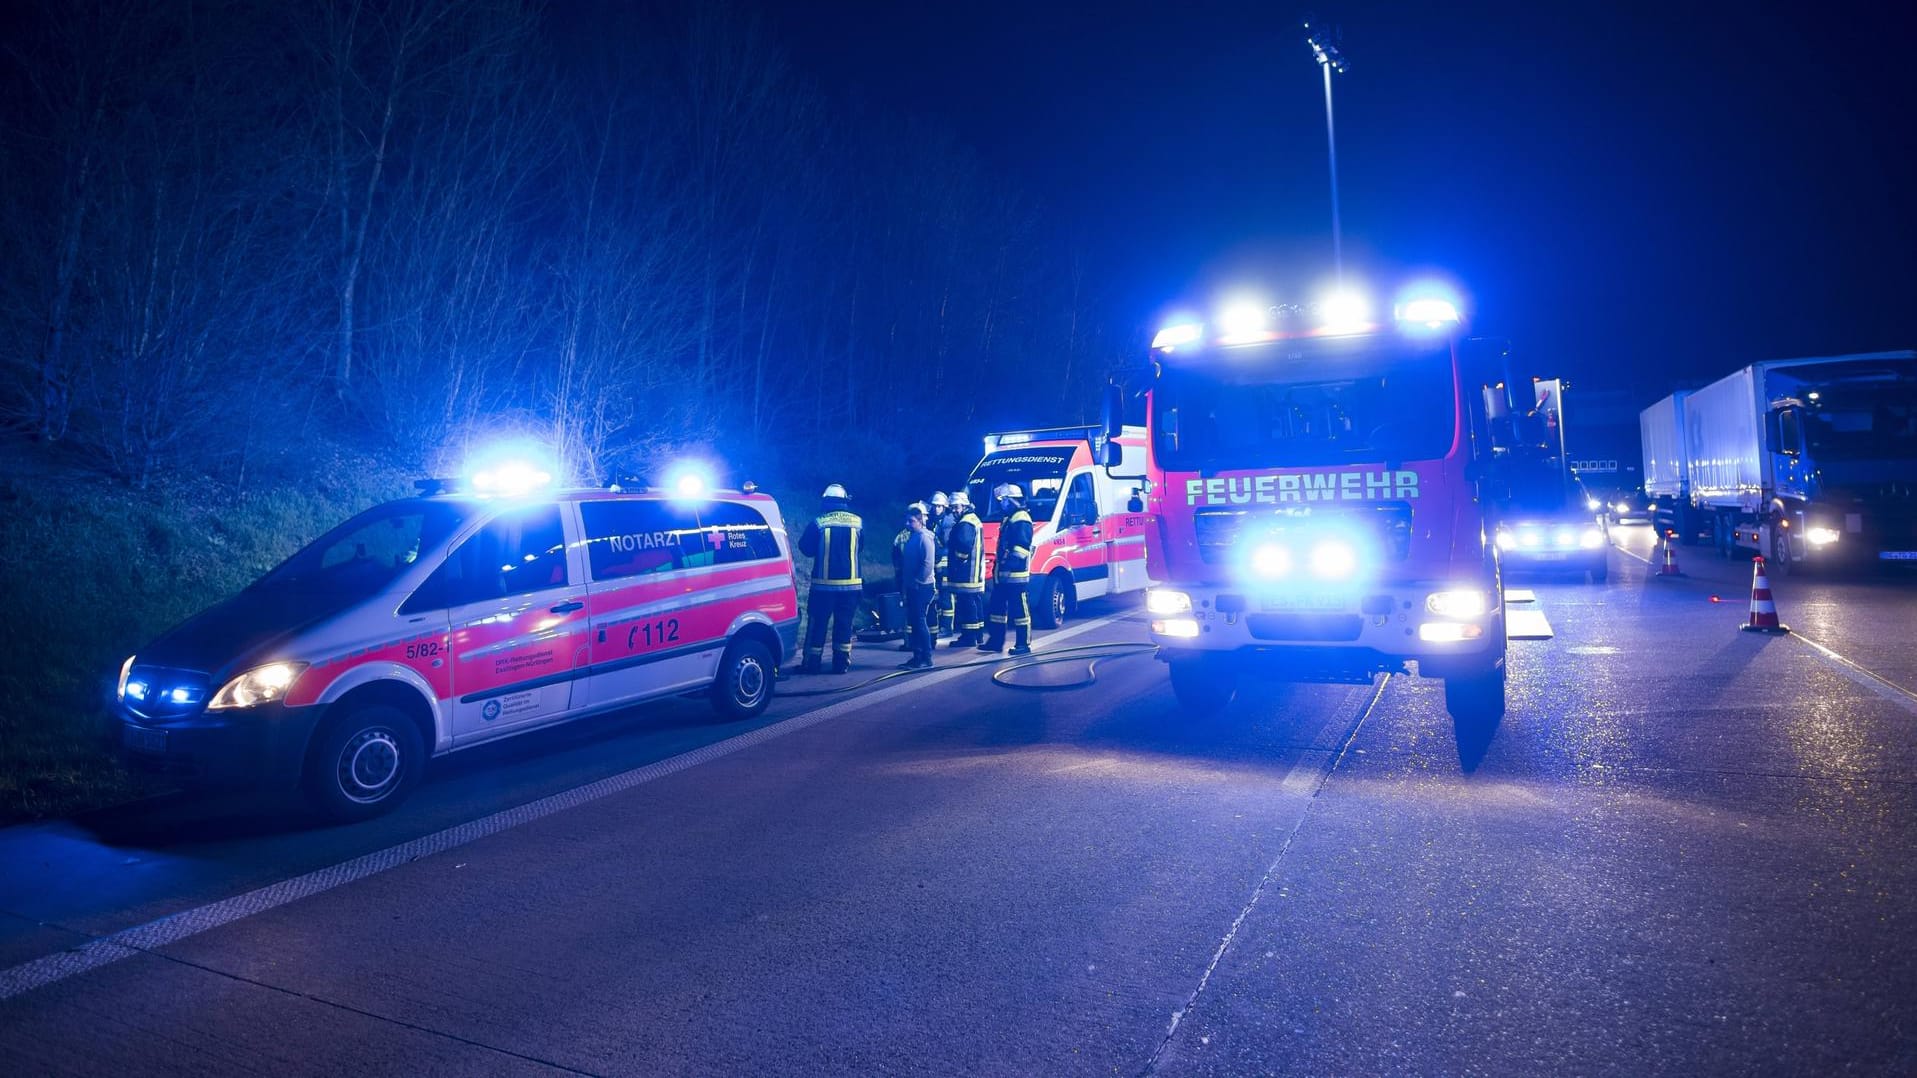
(1167, 601)
(260, 685)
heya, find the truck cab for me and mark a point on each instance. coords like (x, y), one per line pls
(1313, 491)
(1087, 541)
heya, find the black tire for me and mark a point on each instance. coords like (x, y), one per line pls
(364, 763)
(1051, 600)
(1778, 561)
(743, 687)
(1203, 688)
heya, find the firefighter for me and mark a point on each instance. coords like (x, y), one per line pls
(965, 578)
(1011, 573)
(832, 542)
(939, 524)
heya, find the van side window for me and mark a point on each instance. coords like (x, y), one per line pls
(731, 533)
(1081, 505)
(636, 538)
(522, 551)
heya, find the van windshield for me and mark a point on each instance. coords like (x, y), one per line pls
(1037, 470)
(362, 556)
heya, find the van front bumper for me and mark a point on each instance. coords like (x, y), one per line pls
(263, 746)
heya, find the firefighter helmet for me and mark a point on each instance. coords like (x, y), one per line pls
(920, 506)
(961, 500)
(833, 490)
(1008, 490)
(939, 500)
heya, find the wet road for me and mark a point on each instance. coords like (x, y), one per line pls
(1686, 849)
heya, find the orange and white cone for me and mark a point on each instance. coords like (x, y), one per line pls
(1763, 608)
(1669, 568)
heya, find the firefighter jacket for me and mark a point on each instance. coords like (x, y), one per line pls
(1014, 563)
(941, 530)
(832, 542)
(965, 552)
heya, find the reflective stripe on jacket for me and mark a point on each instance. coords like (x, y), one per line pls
(965, 549)
(1014, 562)
(833, 543)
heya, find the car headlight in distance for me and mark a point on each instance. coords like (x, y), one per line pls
(1821, 536)
(1622, 507)
(260, 685)
(1457, 603)
(1166, 601)
(1593, 504)
(1591, 539)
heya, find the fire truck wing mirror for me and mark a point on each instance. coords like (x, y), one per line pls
(1112, 424)
(1137, 502)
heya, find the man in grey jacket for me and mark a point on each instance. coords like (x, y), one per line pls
(918, 579)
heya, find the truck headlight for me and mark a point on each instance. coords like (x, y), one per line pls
(259, 685)
(1506, 540)
(1821, 536)
(1180, 628)
(1166, 601)
(1457, 603)
(1591, 539)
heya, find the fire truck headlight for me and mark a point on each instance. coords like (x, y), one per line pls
(1177, 335)
(1457, 603)
(1506, 539)
(1564, 537)
(1181, 628)
(1271, 560)
(1821, 536)
(257, 686)
(1333, 559)
(1448, 632)
(1166, 601)
(1591, 539)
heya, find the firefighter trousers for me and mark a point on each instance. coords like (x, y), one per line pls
(1009, 604)
(970, 615)
(838, 607)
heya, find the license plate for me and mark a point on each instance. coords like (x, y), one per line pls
(141, 739)
(1899, 555)
(1317, 604)
(1547, 555)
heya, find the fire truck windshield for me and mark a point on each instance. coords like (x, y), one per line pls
(1280, 409)
(1039, 470)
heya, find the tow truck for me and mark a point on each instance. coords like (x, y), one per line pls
(1088, 541)
(1312, 487)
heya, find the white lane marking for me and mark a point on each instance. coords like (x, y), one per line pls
(1520, 595)
(144, 938)
(1632, 553)
(1863, 676)
(1528, 625)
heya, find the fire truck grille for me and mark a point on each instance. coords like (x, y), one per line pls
(1219, 531)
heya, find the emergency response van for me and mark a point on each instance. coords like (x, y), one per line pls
(434, 623)
(1087, 541)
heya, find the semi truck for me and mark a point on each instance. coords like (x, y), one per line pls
(1087, 540)
(1313, 496)
(1809, 461)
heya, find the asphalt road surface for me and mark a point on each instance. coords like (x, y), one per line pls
(1687, 849)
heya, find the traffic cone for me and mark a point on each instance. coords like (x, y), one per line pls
(1763, 610)
(1669, 568)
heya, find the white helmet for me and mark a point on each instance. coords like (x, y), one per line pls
(1008, 490)
(939, 500)
(920, 506)
(961, 500)
(833, 490)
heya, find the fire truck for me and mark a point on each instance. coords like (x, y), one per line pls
(1088, 540)
(1312, 492)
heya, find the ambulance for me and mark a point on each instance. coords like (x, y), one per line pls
(472, 612)
(1088, 524)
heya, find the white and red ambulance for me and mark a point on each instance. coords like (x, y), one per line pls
(431, 624)
(1087, 541)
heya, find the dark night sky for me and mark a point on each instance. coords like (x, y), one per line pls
(1631, 196)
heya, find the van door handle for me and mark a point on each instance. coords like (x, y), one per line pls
(567, 607)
